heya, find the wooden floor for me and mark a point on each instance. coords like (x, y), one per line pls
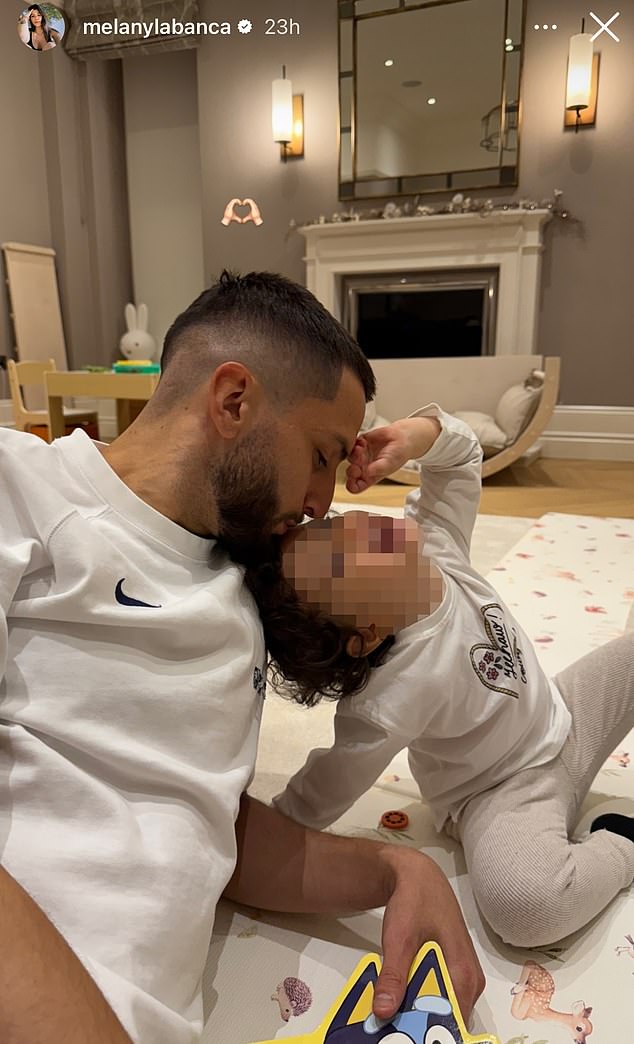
(574, 487)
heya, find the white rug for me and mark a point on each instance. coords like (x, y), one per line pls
(571, 584)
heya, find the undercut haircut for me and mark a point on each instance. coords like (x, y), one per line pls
(276, 328)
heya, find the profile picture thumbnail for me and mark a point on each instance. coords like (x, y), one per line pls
(41, 27)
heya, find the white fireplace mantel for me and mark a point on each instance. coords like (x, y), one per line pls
(511, 240)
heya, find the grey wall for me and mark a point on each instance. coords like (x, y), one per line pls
(62, 185)
(109, 222)
(85, 167)
(585, 309)
(164, 190)
(586, 313)
(238, 155)
(24, 205)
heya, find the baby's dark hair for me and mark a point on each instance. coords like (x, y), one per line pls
(306, 647)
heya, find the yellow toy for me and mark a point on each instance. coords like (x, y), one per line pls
(429, 1013)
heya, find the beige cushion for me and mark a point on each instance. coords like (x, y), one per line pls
(489, 435)
(515, 409)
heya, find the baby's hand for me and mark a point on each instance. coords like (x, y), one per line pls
(382, 451)
(376, 455)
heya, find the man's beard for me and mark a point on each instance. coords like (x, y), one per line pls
(245, 485)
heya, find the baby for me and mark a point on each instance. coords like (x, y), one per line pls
(503, 755)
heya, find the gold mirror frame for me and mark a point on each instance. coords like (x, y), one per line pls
(501, 176)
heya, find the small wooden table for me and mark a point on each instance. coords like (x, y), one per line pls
(125, 388)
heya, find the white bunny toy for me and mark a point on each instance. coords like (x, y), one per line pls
(137, 343)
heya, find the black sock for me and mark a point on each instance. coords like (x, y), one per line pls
(616, 824)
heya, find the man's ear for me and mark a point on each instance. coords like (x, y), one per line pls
(364, 643)
(234, 397)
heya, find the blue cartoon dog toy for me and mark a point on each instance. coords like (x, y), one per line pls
(429, 1013)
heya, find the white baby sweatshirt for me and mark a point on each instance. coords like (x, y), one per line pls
(131, 686)
(461, 689)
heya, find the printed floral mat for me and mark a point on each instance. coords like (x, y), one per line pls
(570, 581)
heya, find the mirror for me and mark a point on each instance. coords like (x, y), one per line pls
(429, 95)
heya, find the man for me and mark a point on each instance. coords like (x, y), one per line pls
(133, 664)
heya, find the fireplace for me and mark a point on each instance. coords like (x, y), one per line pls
(507, 242)
(447, 313)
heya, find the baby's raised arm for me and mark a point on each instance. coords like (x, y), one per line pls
(450, 460)
(382, 451)
(447, 500)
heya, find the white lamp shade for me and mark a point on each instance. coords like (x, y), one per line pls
(282, 110)
(579, 71)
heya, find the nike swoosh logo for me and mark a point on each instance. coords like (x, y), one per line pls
(124, 599)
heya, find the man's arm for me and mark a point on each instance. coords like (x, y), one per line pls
(283, 866)
(46, 994)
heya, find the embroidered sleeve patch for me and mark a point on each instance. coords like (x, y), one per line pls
(498, 663)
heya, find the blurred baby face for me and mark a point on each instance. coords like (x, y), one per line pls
(359, 568)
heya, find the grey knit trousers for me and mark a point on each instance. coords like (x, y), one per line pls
(532, 883)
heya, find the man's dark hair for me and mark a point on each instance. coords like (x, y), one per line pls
(275, 327)
(306, 647)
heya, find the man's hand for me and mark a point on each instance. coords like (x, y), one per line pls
(284, 866)
(423, 908)
(382, 451)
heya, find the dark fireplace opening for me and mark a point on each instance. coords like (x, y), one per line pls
(447, 323)
(423, 314)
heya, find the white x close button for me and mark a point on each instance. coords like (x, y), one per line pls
(604, 26)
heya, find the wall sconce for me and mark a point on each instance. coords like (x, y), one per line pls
(582, 81)
(288, 118)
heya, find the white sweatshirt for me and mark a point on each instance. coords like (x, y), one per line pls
(462, 689)
(131, 686)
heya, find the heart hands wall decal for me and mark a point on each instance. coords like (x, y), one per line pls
(253, 214)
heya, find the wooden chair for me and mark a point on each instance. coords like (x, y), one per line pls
(31, 374)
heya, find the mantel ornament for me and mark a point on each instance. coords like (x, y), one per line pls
(459, 204)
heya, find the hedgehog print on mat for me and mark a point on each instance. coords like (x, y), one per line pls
(293, 996)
